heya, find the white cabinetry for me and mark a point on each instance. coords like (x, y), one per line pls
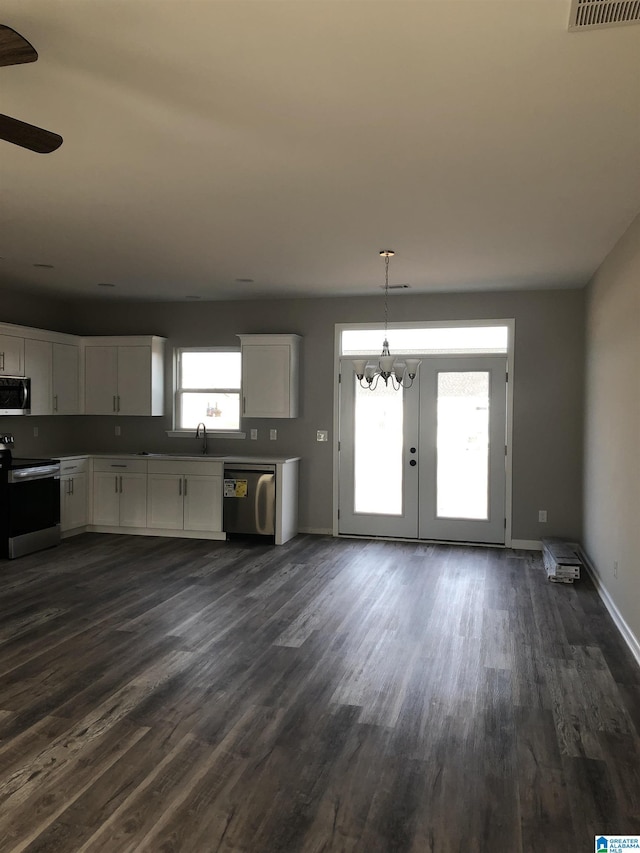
(11, 356)
(66, 379)
(73, 493)
(124, 376)
(185, 495)
(37, 365)
(53, 370)
(270, 375)
(119, 493)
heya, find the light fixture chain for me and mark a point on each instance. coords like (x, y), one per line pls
(386, 294)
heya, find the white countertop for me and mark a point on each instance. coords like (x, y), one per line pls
(209, 457)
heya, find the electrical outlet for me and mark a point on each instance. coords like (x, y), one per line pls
(542, 515)
(615, 569)
(273, 434)
(254, 434)
(322, 435)
(35, 432)
(117, 430)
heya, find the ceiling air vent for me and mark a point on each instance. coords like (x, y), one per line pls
(595, 14)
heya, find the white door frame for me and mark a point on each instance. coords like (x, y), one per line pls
(510, 324)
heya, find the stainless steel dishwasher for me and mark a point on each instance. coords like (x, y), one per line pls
(249, 499)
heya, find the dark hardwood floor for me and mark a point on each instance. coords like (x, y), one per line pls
(327, 695)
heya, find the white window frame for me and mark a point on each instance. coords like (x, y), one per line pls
(178, 432)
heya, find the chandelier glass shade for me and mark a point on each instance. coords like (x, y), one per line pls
(400, 373)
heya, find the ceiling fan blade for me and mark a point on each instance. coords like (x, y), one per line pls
(28, 135)
(14, 49)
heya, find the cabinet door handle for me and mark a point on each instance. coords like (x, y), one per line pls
(120, 483)
(180, 486)
(118, 402)
(185, 487)
(2, 356)
(55, 402)
(116, 484)
(114, 403)
(71, 484)
(244, 405)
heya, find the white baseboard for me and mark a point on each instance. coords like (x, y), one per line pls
(526, 544)
(627, 634)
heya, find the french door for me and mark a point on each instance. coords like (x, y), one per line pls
(426, 462)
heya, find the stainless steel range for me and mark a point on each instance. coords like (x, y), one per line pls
(29, 502)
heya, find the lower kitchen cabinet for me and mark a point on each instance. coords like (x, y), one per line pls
(73, 494)
(119, 493)
(185, 496)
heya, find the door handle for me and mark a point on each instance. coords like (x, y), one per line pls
(71, 485)
(116, 478)
(180, 486)
(120, 483)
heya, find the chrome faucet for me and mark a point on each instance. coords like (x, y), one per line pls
(204, 436)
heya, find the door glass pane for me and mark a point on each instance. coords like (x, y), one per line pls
(451, 339)
(378, 450)
(463, 445)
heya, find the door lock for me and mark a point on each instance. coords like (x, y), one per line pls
(413, 462)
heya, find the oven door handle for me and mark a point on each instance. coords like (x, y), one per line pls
(43, 472)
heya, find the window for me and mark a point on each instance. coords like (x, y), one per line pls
(208, 389)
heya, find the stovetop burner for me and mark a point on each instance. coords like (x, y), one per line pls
(24, 462)
(9, 463)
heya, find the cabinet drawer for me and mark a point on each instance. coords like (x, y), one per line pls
(73, 466)
(185, 467)
(115, 465)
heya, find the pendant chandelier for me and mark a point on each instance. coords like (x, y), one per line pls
(400, 373)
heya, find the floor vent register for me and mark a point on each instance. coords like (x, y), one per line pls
(561, 560)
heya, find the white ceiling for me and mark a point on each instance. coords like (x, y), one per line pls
(288, 142)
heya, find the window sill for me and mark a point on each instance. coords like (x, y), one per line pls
(189, 433)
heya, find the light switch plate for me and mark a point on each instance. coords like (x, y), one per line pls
(322, 435)
(254, 434)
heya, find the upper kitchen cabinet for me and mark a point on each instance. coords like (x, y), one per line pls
(11, 356)
(37, 364)
(270, 375)
(124, 376)
(53, 369)
(66, 379)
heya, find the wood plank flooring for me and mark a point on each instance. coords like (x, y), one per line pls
(327, 695)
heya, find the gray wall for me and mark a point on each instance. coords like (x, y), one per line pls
(612, 426)
(548, 388)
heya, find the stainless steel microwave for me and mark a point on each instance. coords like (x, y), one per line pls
(15, 395)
